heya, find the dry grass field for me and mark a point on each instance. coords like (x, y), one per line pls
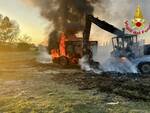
(29, 87)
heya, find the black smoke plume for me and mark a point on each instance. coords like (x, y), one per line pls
(66, 16)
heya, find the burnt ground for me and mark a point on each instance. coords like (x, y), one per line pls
(134, 88)
(27, 87)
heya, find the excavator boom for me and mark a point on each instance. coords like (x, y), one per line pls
(103, 25)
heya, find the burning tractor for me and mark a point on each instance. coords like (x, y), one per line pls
(69, 49)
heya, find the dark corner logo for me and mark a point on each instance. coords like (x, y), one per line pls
(138, 25)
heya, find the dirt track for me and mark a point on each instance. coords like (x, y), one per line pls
(27, 86)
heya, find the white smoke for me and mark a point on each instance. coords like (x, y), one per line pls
(121, 65)
(103, 53)
(43, 56)
(86, 66)
(114, 64)
(108, 63)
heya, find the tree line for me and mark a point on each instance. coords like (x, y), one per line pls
(10, 34)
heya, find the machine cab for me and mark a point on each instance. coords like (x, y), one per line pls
(127, 46)
(123, 42)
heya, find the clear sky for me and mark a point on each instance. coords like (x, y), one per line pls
(28, 18)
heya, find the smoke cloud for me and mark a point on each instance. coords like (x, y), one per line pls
(65, 15)
(69, 15)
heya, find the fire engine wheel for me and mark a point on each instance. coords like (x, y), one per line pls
(63, 61)
(144, 67)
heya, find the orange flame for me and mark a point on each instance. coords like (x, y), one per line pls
(56, 53)
(62, 45)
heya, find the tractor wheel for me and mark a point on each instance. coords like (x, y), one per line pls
(63, 61)
(144, 67)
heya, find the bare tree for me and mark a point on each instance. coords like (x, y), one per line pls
(9, 29)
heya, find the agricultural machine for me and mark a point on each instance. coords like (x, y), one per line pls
(69, 49)
(125, 46)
